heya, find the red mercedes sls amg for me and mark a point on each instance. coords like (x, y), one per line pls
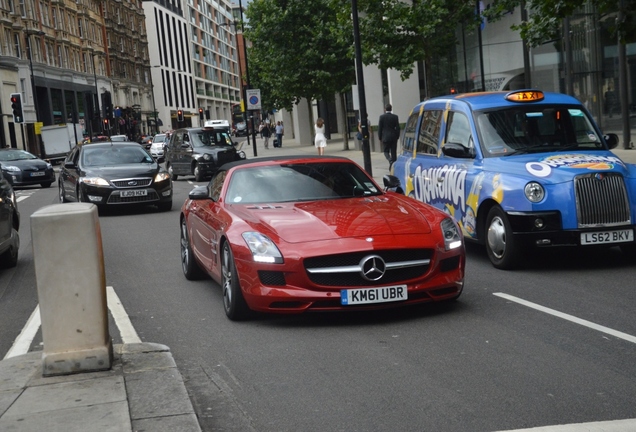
(296, 234)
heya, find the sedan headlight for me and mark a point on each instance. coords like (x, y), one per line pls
(263, 249)
(241, 154)
(11, 168)
(162, 176)
(49, 166)
(94, 181)
(452, 237)
(534, 192)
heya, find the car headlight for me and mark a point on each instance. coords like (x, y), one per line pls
(534, 192)
(263, 249)
(11, 168)
(207, 157)
(162, 176)
(49, 166)
(452, 237)
(94, 181)
(241, 154)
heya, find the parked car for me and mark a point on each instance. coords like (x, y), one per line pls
(156, 151)
(112, 174)
(22, 168)
(295, 234)
(519, 170)
(240, 129)
(9, 225)
(199, 152)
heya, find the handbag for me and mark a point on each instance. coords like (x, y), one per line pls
(359, 136)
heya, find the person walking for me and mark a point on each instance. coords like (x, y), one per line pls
(389, 133)
(279, 133)
(266, 132)
(320, 141)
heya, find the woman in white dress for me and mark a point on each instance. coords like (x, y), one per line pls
(320, 141)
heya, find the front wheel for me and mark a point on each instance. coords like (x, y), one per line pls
(62, 193)
(233, 301)
(9, 258)
(198, 175)
(191, 269)
(501, 243)
(173, 176)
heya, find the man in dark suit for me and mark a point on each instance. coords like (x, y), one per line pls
(389, 133)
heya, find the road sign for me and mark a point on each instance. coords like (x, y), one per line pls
(253, 99)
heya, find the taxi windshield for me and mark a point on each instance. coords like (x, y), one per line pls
(211, 137)
(532, 129)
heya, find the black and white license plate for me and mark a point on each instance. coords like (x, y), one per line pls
(373, 295)
(133, 193)
(607, 237)
(37, 173)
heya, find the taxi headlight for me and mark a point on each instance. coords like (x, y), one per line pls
(534, 192)
(207, 157)
(162, 176)
(94, 181)
(241, 154)
(452, 237)
(263, 249)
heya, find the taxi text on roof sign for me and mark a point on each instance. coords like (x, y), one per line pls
(525, 96)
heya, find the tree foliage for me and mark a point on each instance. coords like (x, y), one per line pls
(545, 17)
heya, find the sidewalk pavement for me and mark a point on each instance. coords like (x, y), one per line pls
(143, 391)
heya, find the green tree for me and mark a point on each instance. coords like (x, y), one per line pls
(545, 17)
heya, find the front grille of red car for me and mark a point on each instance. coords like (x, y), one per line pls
(355, 278)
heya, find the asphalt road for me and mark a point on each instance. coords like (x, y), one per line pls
(488, 362)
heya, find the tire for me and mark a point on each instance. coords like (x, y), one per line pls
(78, 195)
(165, 206)
(233, 301)
(191, 269)
(9, 258)
(62, 193)
(198, 175)
(501, 244)
(46, 185)
(173, 176)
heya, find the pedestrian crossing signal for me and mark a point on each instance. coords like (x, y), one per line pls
(16, 107)
(180, 115)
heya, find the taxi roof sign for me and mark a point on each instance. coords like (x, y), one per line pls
(525, 96)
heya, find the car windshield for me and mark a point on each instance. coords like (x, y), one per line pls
(115, 155)
(210, 138)
(13, 155)
(159, 138)
(296, 182)
(526, 129)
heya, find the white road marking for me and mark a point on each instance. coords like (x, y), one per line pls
(126, 329)
(627, 425)
(568, 317)
(24, 340)
(22, 198)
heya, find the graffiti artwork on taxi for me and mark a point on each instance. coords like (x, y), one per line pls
(544, 167)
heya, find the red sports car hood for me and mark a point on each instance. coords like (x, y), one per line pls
(327, 220)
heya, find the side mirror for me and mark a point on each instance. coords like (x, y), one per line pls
(69, 164)
(199, 193)
(457, 150)
(611, 140)
(392, 184)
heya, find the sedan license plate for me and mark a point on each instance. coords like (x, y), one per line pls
(607, 237)
(133, 193)
(37, 173)
(373, 295)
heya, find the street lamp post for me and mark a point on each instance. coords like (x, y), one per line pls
(154, 107)
(364, 124)
(247, 82)
(29, 33)
(99, 114)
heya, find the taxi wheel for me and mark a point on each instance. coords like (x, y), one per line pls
(191, 269)
(173, 176)
(78, 194)
(501, 244)
(233, 302)
(62, 193)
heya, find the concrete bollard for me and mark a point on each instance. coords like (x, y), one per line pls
(71, 281)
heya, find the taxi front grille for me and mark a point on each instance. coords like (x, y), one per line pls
(601, 200)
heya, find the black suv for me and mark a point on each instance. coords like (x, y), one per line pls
(9, 225)
(199, 152)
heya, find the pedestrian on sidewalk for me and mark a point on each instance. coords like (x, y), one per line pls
(320, 141)
(266, 132)
(389, 133)
(279, 133)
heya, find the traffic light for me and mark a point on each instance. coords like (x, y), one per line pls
(106, 124)
(180, 115)
(200, 113)
(16, 106)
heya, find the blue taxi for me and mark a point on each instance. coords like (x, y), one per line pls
(517, 170)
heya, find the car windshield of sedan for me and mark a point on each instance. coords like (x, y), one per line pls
(211, 138)
(526, 129)
(14, 155)
(115, 155)
(296, 182)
